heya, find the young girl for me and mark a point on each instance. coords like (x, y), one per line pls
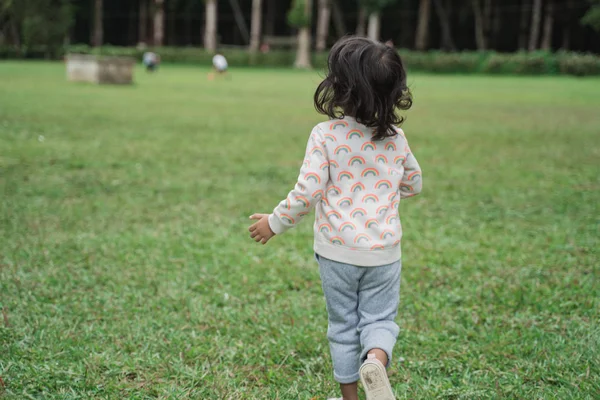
(357, 168)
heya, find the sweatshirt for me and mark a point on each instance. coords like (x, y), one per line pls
(356, 185)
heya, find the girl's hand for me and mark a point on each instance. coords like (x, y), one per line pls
(261, 231)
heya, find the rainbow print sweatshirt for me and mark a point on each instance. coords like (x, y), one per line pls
(356, 185)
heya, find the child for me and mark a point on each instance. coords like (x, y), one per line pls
(220, 66)
(357, 168)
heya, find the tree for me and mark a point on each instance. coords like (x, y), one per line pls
(361, 22)
(524, 16)
(97, 30)
(592, 16)
(373, 9)
(480, 38)
(548, 26)
(210, 26)
(299, 16)
(447, 41)
(536, 16)
(256, 28)
(159, 22)
(143, 22)
(423, 25)
(33, 23)
(323, 24)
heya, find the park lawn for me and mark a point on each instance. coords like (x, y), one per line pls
(126, 270)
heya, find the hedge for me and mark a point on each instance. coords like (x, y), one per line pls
(534, 63)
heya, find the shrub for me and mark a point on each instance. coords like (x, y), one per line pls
(535, 63)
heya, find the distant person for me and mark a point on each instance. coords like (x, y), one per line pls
(219, 66)
(357, 168)
(151, 61)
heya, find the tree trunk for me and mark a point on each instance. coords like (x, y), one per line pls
(323, 24)
(159, 22)
(423, 25)
(210, 26)
(171, 22)
(448, 42)
(523, 25)
(374, 26)
(303, 51)
(256, 28)
(534, 33)
(188, 24)
(548, 26)
(338, 19)
(479, 27)
(238, 15)
(98, 32)
(270, 17)
(131, 31)
(143, 22)
(361, 23)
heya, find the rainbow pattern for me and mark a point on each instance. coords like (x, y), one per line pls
(358, 212)
(288, 204)
(337, 240)
(306, 163)
(345, 175)
(317, 151)
(391, 219)
(287, 218)
(302, 200)
(377, 247)
(334, 213)
(318, 194)
(355, 133)
(330, 137)
(302, 214)
(347, 226)
(399, 159)
(356, 160)
(414, 175)
(406, 188)
(383, 184)
(380, 158)
(333, 163)
(392, 196)
(386, 234)
(382, 210)
(338, 124)
(361, 236)
(311, 175)
(368, 146)
(395, 204)
(393, 171)
(370, 198)
(397, 242)
(357, 187)
(369, 172)
(372, 223)
(324, 166)
(325, 228)
(342, 148)
(390, 146)
(346, 201)
(334, 190)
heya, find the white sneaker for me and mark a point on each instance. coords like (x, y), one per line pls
(375, 380)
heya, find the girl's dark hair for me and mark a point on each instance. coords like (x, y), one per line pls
(365, 80)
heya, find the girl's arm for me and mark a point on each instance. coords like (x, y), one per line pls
(412, 181)
(311, 185)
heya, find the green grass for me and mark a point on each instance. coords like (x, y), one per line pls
(126, 270)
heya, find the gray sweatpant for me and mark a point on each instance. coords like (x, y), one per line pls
(362, 303)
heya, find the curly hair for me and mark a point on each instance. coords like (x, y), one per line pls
(365, 80)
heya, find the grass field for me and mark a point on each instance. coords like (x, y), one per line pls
(126, 270)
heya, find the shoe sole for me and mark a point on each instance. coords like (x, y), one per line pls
(375, 381)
